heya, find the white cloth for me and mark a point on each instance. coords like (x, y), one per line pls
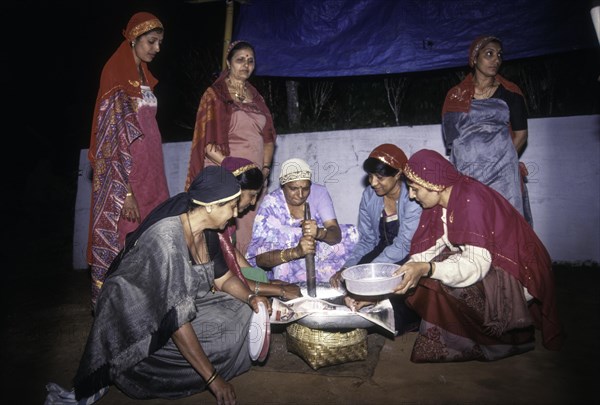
(57, 395)
(467, 266)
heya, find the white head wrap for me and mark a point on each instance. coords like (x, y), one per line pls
(294, 169)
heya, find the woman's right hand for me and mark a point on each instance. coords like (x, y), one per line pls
(130, 210)
(306, 245)
(223, 391)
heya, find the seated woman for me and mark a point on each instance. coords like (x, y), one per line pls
(251, 182)
(281, 238)
(386, 223)
(168, 302)
(478, 275)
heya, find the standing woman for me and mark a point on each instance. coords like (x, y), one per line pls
(484, 123)
(233, 120)
(125, 147)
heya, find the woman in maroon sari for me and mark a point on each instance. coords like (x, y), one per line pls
(478, 275)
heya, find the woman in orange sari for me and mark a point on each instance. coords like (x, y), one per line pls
(125, 147)
(234, 120)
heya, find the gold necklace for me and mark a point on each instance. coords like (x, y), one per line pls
(486, 93)
(197, 255)
(239, 91)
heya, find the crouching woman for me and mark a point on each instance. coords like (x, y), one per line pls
(171, 319)
(478, 275)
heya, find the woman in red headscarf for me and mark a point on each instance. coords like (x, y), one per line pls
(478, 275)
(125, 147)
(484, 123)
(387, 220)
(234, 120)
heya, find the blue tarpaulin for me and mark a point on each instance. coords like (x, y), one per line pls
(327, 38)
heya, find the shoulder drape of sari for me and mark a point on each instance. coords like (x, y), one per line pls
(213, 122)
(141, 304)
(114, 128)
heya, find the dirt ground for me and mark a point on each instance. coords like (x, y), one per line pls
(46, 319)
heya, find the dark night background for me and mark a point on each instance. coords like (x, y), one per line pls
(52, 57)
(51, 64)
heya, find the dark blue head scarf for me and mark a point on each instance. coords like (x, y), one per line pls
(213, 185)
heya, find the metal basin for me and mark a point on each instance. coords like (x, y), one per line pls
(332, 319)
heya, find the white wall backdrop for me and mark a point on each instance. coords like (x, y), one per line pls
(563, 158)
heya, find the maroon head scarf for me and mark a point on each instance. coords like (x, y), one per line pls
(237, 165)
(431, 170)
(478, 215)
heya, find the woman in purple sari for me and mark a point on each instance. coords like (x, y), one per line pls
(281, 238)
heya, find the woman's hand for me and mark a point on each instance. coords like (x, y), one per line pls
(356, 304)
(266, 171)
(413, 271)
(336, 280)
(306, 245)
(223, 391)
(289, 291)
(309, 228)
(130, 210)
(255, 299)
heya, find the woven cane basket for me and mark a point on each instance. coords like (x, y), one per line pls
(321, 348)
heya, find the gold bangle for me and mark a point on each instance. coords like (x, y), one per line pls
(128, 194)
(211, 378)
(256, 287)
(281, 256)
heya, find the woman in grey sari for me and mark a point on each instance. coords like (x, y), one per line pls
(484, 123)
(171, 319)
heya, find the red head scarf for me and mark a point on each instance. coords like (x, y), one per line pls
(479, 43)
(139, 24)
(458, 98)
(390, 154)
(121, 72)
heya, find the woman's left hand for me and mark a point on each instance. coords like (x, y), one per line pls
(256, 299)
(309, 228)
(288, 291)
(265, 172)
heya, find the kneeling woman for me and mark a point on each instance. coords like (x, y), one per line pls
(171, 320)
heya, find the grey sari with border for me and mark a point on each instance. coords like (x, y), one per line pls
(481, 147)
(155, 290)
